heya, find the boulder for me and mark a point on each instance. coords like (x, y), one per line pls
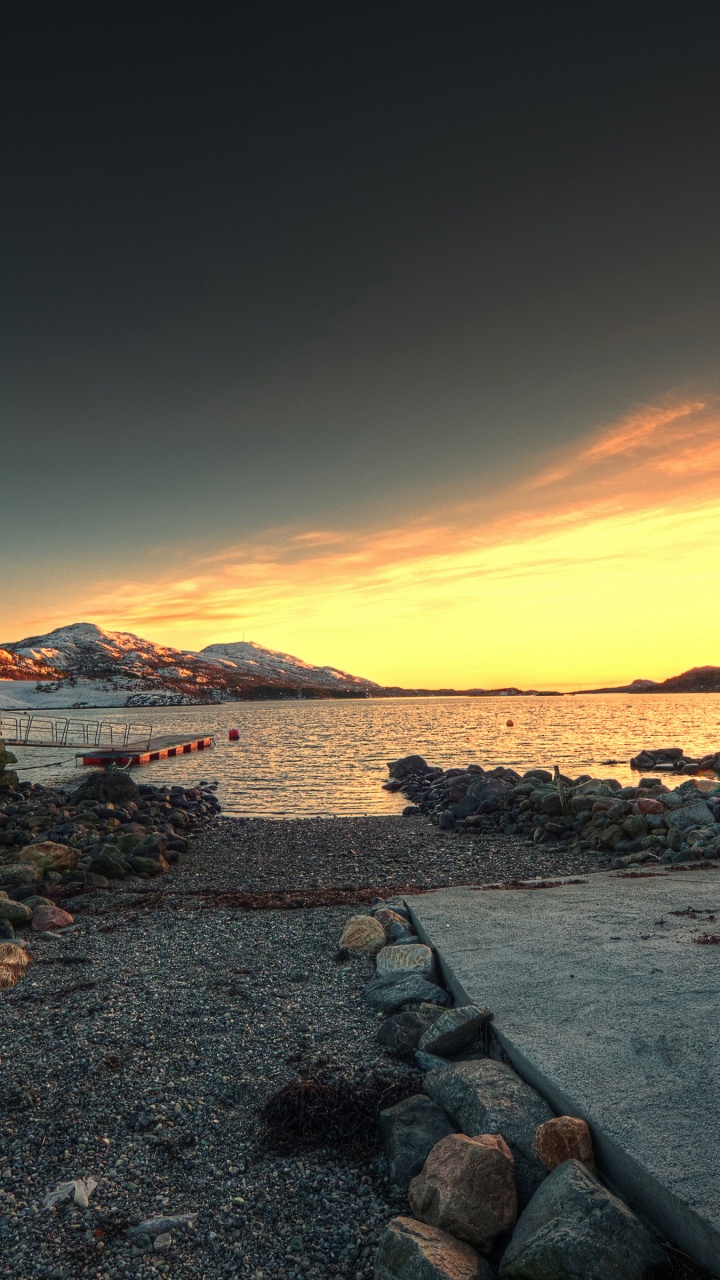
(407, 958)
(564, 1138)
(151, 846)
(49, 918)
(149, 866)
(9, 780)
(106, 785)
(647, 805)
(411, 1250)
(7, 933)
(107, 863)
(695, 814)
(15, 912)
(575, 1229)
(390, 920)
(485, 1096)
(390, 994)
(406, 765)
(20, 873)
(402, 1031)
(14, 960)
(455, 1030)
(467, 1187)
(364, 935)
(409, 1132)
(129, 842)
(50, 856)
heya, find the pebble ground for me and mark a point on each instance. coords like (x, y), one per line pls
(142, 1044)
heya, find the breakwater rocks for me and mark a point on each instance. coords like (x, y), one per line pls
(627, 825)
(108, 828)
(674, 760)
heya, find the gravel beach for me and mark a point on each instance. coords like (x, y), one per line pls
(142, 1043)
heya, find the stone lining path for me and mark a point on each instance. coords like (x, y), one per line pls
(606, 996)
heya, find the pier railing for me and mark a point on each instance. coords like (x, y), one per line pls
(32, 730)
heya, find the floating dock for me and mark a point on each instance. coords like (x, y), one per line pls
(161, 748)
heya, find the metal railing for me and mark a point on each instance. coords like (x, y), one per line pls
(31, 730)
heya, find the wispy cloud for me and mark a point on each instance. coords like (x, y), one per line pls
(480, 593)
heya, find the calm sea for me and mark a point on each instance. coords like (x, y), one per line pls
(303, 758)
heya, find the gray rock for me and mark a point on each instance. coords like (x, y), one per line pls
(427, 1061)
(390, 994)
(411, 1250)
(402, 1031)
(7, 933)
(485, 1096)
(406, 765)
(576, 1230)
(107, 786)
(695, 814)
(409, 1132)
(107, 863)
(20, 873)
(455, 1030)
(412, 958)
(158, 1226)
(15, 912)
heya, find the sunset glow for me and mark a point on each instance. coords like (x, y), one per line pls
(596, 569)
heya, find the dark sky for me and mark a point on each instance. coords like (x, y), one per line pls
(324, 263)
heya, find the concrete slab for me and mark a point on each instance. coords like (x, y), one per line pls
(605, 1002)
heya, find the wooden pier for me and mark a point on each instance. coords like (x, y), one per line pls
(161, 748)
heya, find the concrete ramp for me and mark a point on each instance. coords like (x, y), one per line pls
(606, 995)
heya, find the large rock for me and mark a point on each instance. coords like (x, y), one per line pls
(573, 1229)
(406, 765)
(108, 863)
(564, 1138)
(45, 919)
(467, 1187)
(484, 1096)
(108, 786)
(409, 1131)
(149, 866)
(411, 1250)
(390, 994)
(14, 961)
(402, 1031)
(50, 856)
(455, 1030)
(408, 958)
(695, 814)
(15, 912)
(364, 935)
(18, 873)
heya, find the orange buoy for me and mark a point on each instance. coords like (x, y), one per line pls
(509, 724)
(233, 735)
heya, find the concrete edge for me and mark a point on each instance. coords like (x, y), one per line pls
(625, 1176)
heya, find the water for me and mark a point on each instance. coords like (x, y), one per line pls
(303, 758)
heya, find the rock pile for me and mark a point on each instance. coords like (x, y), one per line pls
(107, 829)
(478, 1147)
(628, 825)
(674, 760)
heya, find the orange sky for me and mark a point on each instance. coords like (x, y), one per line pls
(598, 568)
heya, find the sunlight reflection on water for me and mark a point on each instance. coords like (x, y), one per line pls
(303, 758)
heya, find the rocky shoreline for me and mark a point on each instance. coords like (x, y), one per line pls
(623, 826)
(151, 1034)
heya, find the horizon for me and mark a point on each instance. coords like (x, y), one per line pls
(285, 653)
(393, 343)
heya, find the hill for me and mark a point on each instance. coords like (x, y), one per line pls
(83, 664)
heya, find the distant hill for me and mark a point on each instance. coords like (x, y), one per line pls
(696, 680)
(81, 662)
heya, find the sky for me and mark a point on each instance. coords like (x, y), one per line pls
(385, 335)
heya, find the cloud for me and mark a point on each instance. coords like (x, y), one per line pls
(545, 577)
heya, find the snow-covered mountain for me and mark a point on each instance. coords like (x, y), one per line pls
(85, 657)
(252, 659)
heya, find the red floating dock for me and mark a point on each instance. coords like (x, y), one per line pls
(161, 749)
